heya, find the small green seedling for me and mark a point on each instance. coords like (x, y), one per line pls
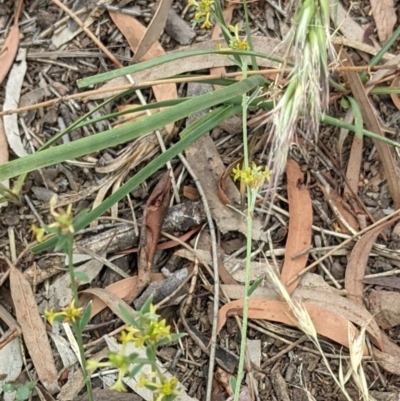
(22, 390)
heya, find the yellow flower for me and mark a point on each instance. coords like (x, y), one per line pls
(50, 315)
(71, 312)
(63, 219)
(166, 388)
(119, 385)
(158, 331)
(206, 24)
(253, 176)
(38, 231)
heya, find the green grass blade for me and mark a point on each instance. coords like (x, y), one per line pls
(358, 120)
(189, 135)
(127, 132)
(131, 69)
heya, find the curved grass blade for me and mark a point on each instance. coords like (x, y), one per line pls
(131, 69)
(188, 135)
(358, 120)
(127, 132)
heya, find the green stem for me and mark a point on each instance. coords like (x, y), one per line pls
(249, 229)
(75, 325)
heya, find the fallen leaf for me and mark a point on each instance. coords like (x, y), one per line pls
(206, 162)
(153, 217)
(154, 29)
(120, 289)
(357, 263)
(385, 17)
(112, 301)
(133, 31)
(344, 22)
(324, 298)
(33, 329)
(391, 363)
(300, 222)
(10, 46)
(9, 51)
(392, 282)
(395, 97)
(12, 96)
(328, 324)
(385, 152)
(223, 182)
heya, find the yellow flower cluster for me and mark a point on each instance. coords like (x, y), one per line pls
(62, 221)
(163, 389)
(236, 43)
(154, 332)
(203, 12)
(254, 176)
(68, 314)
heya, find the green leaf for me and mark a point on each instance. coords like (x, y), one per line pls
(255, 285)
(82, 277)
(146, 306)
(232, 383)
(22, 393)
(135, 370)
(189, 135)
(126, 132)
(358, 120)
(128, 318)
(8, 388)
(84, 320)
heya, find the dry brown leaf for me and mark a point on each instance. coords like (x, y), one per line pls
(357, 263)
(222, 182)
(353, 167)
(395, 97)
(385, 152)
(153, 217)
(111, 300)
(384, 14)
(328, 324)
(9, 51)
(206, 162)
(299, 236)
(133, 31)
(33, 329)
(346, 220)
(344, 22)
(324, 298)
(14, 328)
(154, 29)
(389, 362)
(120, 289)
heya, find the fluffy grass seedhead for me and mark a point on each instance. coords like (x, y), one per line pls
(307, 92)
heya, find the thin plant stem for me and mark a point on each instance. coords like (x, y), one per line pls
(249, 228)
(75, 325)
